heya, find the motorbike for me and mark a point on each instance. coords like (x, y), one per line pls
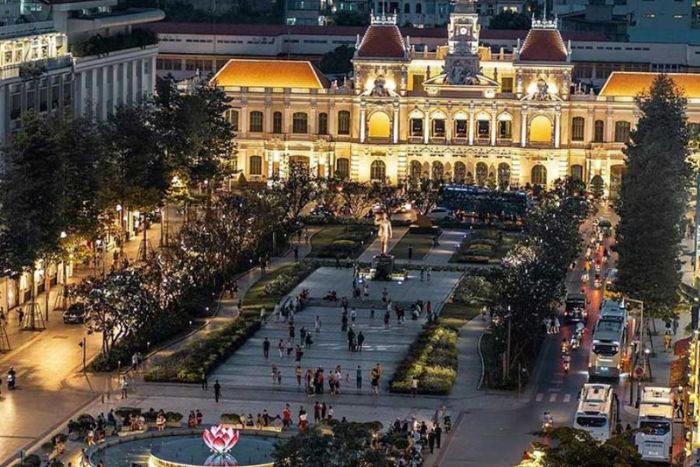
(547, 422)
(11, 379)
(447, 422)
(575, 342)
(567, 363)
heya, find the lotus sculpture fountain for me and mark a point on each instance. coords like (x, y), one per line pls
(220, 440)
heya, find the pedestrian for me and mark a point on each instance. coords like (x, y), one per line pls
(360, 341)
(274, 374)
(290, 346)
(217, 391)
(324, 409)
(556, 325)
(266, 348)
(414, 385)
(387, 317)
(374, 381)
(428, 272)
(291, 331)
(203, 379)
(667, 340)
(298, 373)
(20, 315)
(286, 417)
(371, 313)
(125, 387)
(675, 325)
(429, 310)
(431, 440)
(358, 378)
(279, 377)
(317, 324)
(296, 253)
(331, 413)
(298, 354)
(353, 315)
(422, 272)
(410, 252)
(438, 435)
(280, 347)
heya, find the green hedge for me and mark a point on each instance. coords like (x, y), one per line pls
(186, 365)
(433, 357)
(100, 45)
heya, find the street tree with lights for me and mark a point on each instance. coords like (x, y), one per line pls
(654, 199)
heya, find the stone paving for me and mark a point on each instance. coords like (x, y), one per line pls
(248, 367)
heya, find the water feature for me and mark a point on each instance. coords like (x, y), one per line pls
(182, 449)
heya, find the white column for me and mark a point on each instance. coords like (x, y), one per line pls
(93, 92)
(449, 126)
(523, 129)
(152, 75)
(557, 128)
(269, 160)
(125, 84)
(134, 82)
(494, 128)
(426, 128)
(396, 123)
(363, 123)
(84, 98)
(115, 87)
(471, 128)
(590, 126)
(609, 126)
(327, 165)
(105, 93)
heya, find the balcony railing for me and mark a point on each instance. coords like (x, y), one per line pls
(504, 141)
(415, 139)
(438, 139)
(482, 141)
(101, 45)
(35, 68)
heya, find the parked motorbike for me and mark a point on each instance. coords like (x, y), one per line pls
(11, 379)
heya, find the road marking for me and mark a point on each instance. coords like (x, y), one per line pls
(567, 398)
(554, 389)
(552, 397)
(539, 397)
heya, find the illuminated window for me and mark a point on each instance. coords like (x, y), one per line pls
(540, 130)
(439, 128)
(277, 122)
(599, 131)
(232, 118)
(379, 125)
(505, 129)
(577, 172)
(461, 128)
(378, 170)
(539, 175)
(342, 168)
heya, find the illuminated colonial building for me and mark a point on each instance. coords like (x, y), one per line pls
(460, 113)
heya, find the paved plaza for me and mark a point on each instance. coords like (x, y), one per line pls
(388, 346)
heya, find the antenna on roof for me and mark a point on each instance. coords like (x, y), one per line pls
(544, 12)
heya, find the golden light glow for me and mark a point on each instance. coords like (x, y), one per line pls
(540, 130)
(389, 83)
(552, 88)
(270, 74)
(379, 125)
(628, 84)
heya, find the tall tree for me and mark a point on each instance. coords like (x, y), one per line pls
(510, 20)
(654, 198)
(297, 190)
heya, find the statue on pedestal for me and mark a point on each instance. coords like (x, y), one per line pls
(385, 233)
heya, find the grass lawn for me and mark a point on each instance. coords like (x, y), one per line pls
(455, 315)
(340, 240)
(484, 246)
(421, 245)
(256, 297)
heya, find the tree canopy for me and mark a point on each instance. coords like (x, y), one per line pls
(510, 20)
(654, 198)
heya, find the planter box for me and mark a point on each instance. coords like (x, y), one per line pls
(173, 424)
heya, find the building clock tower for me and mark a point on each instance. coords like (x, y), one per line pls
(462, 61)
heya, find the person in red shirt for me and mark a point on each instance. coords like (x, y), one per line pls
(286, 417)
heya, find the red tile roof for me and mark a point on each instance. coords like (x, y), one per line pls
(382, 41)
(271, 74)
(543, 45)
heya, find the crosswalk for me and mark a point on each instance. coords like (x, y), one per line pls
(555, 396)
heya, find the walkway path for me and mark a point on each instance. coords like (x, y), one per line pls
(448, 243)
(375, 247)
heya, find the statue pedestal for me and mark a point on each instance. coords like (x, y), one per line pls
(383, 266)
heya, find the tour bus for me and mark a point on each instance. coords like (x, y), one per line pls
(654, 439)
(613, 310)
(597, 411)
(608, 350)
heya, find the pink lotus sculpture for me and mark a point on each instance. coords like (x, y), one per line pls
(219, 439)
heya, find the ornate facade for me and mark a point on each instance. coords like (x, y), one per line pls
(461, 112)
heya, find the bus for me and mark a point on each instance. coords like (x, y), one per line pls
(575, 308)
(654, 440)
(607, 354)
(597, 411)
(614, 310)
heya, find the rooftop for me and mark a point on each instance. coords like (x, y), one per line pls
(382, 41)
(630, 84)
(543, 45)
(271, 74)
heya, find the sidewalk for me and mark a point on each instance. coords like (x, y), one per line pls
(228, 309)
(448, 243)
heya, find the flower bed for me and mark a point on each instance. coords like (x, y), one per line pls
(483, 246)
(341, 241)
(272, 287)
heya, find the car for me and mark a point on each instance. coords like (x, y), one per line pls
(439, 214)
(575, 308)
(611, 276)
(75, 314)
(320, 213)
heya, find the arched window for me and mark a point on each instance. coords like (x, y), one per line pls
(577, 126)
(438, 127)
(540, 130)
(460, 172)
(232, 117)
(577, 172)
(415, 170)
(277, 122)
(419, 9)
(599, 131)
(300, 122)
(323, 123)
(342, 168)
(482, 172)
(379, 125)
(416, 126)
(438, 171)
(622, 131)
(503, 176)
(343, 122)
(483, 126)
(255, 165)
(539, 175)
(407, 8)
(256, 122)
(377, 170)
